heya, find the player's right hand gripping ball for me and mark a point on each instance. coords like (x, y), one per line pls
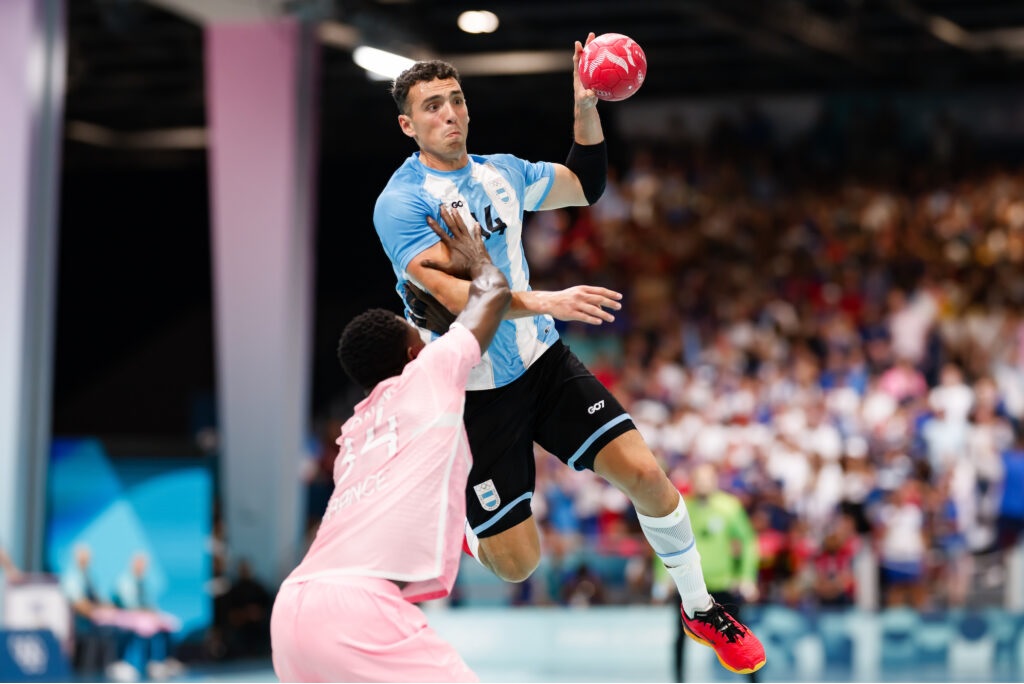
(613, 66)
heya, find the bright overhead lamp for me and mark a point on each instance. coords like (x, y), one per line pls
(383, 64)
(478, 21)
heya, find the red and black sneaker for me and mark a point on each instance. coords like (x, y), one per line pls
(736, 646)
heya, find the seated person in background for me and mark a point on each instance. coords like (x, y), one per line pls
(96, 637)
(149, 640)
(245, 609)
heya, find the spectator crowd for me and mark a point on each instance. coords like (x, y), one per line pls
(844, 341)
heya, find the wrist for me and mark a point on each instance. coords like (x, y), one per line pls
(526, 303)
(585, 107)
(530, 302)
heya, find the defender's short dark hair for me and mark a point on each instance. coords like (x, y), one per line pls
(418, 72)
(373, 347)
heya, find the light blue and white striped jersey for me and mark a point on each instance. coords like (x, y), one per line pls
(493, 190)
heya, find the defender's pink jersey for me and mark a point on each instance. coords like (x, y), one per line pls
(398, 509)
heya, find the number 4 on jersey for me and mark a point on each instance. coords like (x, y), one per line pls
(491, 224)
(389, 439)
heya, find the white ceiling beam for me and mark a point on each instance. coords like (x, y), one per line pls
(205, 12)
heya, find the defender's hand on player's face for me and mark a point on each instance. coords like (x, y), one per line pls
(584, 98)
(583, 303)
(465, 245)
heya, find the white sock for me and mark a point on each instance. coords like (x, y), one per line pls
(672, 539)
(689, 580)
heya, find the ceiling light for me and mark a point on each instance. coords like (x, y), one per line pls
(478, 22)
(379, 62)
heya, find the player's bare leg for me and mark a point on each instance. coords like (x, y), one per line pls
(627, 463)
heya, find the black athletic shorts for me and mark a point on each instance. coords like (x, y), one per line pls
(556, 403)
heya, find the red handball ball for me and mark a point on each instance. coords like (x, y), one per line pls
(613, 66)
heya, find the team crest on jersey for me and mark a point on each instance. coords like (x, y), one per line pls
(488, 495)
(499, 190)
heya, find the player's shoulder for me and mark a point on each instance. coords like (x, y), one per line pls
(411, 172)
(458, 346)
(501, 159)
(404, 189)
(457, 339)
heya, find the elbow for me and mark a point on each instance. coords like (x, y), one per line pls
(594, 192)
(589, 163)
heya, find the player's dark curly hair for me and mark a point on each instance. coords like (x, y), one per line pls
(373, 347)
(418, 72)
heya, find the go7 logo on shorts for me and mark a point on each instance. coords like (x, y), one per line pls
(596, 407)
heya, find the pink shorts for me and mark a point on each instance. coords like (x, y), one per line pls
(354, 629)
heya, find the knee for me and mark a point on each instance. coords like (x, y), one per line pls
(629, 465)
(642, 479)
(515, 569)
(512, 564)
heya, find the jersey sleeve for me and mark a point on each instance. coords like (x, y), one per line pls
(401, 223)
(538, 177)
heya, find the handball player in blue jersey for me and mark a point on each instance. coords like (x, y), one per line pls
(529, 387)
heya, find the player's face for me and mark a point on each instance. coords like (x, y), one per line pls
(438, 120)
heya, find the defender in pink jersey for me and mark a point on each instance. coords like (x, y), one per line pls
(392, 532)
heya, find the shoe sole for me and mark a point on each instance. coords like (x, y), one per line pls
(703, 642)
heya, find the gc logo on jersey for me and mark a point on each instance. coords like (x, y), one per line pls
(488, 495)
(596, 407)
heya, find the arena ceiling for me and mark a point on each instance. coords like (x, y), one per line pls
(136, 65)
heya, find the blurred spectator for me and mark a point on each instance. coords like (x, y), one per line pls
(903, 381)
(244, 612)
(989, 436)
(944, 434)
(952, 395)
(149, 647)
(902, 547)
(1011, 508)
(951, 561)
(97, 637)
(771, 551)
(583, 588)
(834, 584)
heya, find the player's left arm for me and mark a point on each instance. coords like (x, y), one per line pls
(443, 296)
(581, 180)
